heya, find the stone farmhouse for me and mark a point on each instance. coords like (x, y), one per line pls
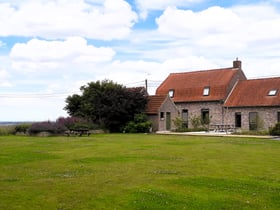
(221, 98)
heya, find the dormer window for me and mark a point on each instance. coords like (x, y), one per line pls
(272, 92)
(206, 91)
(171, 93)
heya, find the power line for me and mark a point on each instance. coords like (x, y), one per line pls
(35, 95)
(30, 95)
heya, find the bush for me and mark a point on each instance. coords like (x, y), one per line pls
(275, 131)
(139, 125)
(73, 123)
(195, 121)
(178, 123)
(22, 128)
(50, 127)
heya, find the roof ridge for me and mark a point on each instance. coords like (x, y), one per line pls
(264, 78)
(206, 70)
(158, 95)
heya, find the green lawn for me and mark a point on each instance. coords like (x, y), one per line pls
(120, 171)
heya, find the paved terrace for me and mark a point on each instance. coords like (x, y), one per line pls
(219, 134)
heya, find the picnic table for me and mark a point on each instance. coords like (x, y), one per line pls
(78, 132)
(222, 127)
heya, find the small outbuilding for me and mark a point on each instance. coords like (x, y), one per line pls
(161, 111)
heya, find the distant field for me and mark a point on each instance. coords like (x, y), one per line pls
(121, 171)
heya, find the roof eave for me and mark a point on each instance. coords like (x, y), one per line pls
(251, 106)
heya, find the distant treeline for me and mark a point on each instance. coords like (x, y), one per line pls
(9, 123)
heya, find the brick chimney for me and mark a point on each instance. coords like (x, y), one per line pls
(237, 64)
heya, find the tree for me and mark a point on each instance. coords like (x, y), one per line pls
(108, 104)
(74, 105)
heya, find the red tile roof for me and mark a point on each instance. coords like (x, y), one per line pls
(154, 103)
(255, 93)
(189, 86)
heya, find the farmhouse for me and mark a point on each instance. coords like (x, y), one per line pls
(219, 97)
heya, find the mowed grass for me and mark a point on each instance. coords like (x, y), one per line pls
(121, 171)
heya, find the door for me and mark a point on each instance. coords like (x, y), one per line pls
(168, 121)
(238, 119)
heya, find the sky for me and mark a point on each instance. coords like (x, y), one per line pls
(50, 48)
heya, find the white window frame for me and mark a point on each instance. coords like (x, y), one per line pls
(206, 91)
(272, 92)
(171, 93)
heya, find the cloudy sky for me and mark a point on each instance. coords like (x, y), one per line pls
(49, 48)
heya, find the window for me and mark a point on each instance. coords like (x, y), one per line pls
(253, 117)
(171, 93)
(272, 92)
(206, 91)
(278, 117)
(185, 118)
(205, 120)
(162, 116)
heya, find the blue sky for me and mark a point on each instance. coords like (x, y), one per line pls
(48, 49)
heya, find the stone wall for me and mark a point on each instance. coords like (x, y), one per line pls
(216, 111)
(268, 115)
(167, 106)
(221, 115)
(155, 120)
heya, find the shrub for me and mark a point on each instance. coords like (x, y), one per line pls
(196, 125)
(75, 123)
(139, 125)
(179, 125)
(22, 128)
(69, 121)
(79, 125)
(195, 121)
(50, 127)
(275, 131)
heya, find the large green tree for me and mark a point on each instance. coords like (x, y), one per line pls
(108, 104)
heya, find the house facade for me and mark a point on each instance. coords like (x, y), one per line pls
(222, 97)
(254, 104)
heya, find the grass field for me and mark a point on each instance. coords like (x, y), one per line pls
(120, 171)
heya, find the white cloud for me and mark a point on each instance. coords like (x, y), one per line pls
(162, 4)
(135, 72)
(4, 79)
(224, 33)
(2, 43)
(42, 54)
(183, 64)
(146, 5)
(52, 19)
(220, 26)
(186, 23)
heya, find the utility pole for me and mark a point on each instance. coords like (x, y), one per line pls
(146, 85)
